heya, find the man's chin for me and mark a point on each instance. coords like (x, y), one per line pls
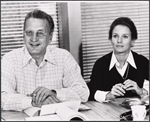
(34, 52)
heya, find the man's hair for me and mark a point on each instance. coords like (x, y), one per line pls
(40, 15)
(125, 21)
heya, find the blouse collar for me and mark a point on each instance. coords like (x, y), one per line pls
(130, 60)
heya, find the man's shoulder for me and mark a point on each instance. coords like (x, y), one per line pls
(59, 51)
(14, 53)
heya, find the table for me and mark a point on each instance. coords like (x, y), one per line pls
(105, 111)
(99, 112)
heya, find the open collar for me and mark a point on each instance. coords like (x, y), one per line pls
(49, 56)
(26, 57)
(130, 60)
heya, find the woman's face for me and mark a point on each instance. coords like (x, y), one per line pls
(121, 39)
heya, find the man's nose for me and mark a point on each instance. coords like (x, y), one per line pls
(34, 38)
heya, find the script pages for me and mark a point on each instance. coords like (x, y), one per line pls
(50, 109)
(60, 111)
(63, 113)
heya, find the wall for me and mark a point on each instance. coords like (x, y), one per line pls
(70, 28)
(74, 15)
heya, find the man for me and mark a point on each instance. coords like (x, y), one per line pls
(37, 74)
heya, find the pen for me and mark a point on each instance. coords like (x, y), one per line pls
(126, 114)
(121, 86)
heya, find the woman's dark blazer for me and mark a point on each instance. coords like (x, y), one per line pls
(103, 79)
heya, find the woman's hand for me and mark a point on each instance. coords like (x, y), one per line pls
(117, 90)
(132, 85)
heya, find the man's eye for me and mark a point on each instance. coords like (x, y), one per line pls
(40, 33)
(29, 33)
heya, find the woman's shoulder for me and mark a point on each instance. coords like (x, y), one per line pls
(139, 57)
(105, 58)
(140, 60)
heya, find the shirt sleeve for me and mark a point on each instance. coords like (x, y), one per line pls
(146, 85)
(11, 100)
(74, 86)
(100, 96)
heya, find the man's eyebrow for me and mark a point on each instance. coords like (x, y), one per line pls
(40, 30)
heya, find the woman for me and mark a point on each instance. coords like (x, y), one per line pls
(122, 72)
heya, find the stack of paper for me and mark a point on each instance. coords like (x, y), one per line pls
(57, 112)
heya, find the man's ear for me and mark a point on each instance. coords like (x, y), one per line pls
(51, 36)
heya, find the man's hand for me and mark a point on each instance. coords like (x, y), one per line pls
(51, 100)
(48, 100)
(41, 93)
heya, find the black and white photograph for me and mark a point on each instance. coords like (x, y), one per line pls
(75, 60)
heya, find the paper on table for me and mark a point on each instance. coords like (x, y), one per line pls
(72, 104)
(62, 113)
(53, 117)
(15, 120)
(83, 107)
(31, 111)
(51, 109)
(146, 99)
(67, 114)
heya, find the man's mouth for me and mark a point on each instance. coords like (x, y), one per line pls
(34, 45)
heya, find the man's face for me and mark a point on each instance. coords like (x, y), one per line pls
(35, 43)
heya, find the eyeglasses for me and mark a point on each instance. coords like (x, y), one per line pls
(39, 34)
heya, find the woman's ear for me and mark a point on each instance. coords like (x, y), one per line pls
(132, 43)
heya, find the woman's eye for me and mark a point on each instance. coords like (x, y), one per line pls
(125, 37)
(115, 36)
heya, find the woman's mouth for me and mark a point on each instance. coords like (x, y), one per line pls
(119, 46)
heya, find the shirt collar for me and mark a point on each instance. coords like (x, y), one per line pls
(27, 57)
(130, 60)
(49, 56)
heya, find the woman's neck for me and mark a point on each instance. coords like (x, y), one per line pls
(121, 58)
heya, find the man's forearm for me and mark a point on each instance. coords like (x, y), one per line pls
(16, 102)
(65, 94)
